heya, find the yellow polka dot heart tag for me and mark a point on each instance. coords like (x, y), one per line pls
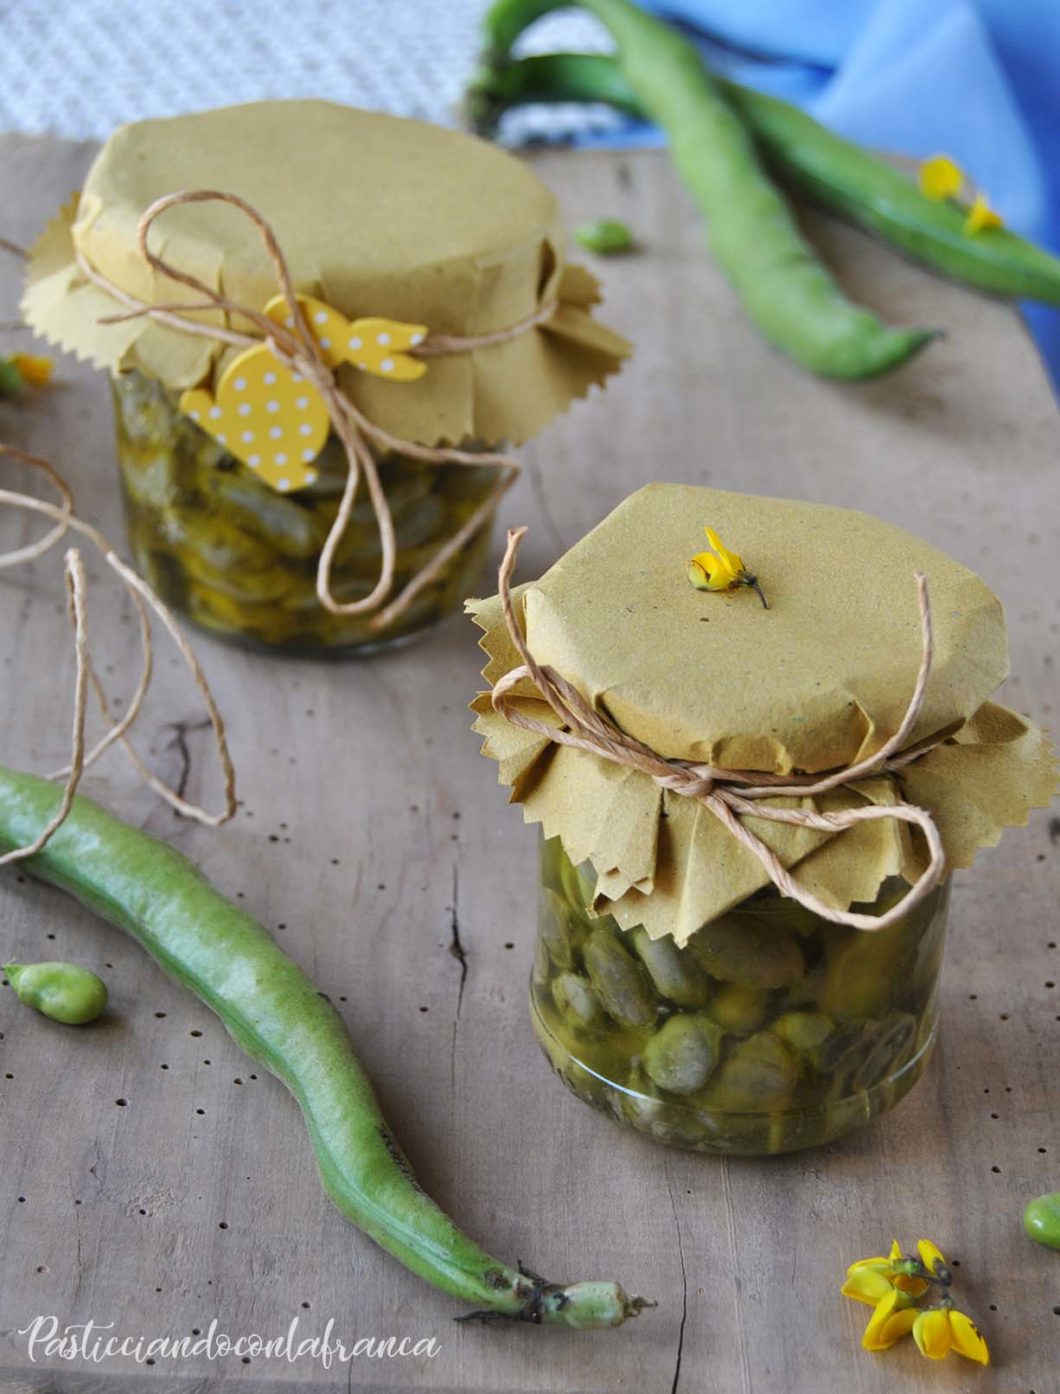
(272, 419)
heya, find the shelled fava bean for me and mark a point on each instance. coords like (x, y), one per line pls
(771, 1030)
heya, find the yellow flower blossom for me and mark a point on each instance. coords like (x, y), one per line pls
(940, 178)
(939, 1330)
(930, 1255)
(980, 216)
(33, 367)
(894, 1317)
(893, 1287)
(870, 1279)
(720, 569)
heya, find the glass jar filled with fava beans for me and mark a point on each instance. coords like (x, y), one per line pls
(755, 773)
(771, 1030)
(239, 558)
(290, 297)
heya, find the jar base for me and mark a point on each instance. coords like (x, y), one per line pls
(775, 1133)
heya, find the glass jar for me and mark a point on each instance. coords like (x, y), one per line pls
(240, 559)
(770, 1031)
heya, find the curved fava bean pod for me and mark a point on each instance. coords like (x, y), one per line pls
(751, 231)
(275, 1014)
(836, 174)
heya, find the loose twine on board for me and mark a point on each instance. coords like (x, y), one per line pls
(145, 601)
(296, 347)
(733, 794)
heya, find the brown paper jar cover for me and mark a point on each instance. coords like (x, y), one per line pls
(377, 216)
(816, 682)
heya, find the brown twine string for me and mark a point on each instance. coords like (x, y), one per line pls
(296, 347)
(733, 794)
(145, 601)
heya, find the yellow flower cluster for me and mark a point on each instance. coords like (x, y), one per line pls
(941, 178)
(721, 570)
(893, 1287)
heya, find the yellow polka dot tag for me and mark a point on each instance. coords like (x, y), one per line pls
(375, 345)
(271, 418)
(265, 415)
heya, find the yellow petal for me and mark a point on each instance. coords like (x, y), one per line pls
(729, 560)
(980, 216)
(930, 1255)
(33, 367)
(882, 1264)
(915, 1287)
(892, 1319)
(866, 1284)
(931, 1332)
(966, 1338)
(896, 1251)
(940, 177)
(706, 573)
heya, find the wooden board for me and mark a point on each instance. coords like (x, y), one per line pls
(375, 842)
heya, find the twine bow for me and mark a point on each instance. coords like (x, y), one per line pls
(65, 521)
(734, 794)
(297, 348)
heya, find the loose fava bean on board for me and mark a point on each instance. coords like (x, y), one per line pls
(64, 992)
(279, 1018)
(751, 231)
(1041, 1219)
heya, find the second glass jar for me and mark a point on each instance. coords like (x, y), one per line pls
(771, 1031)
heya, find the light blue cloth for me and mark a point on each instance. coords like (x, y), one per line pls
(975, 79)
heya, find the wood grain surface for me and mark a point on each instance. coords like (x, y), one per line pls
(150, 1178)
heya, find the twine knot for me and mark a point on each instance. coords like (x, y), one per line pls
(732, 795)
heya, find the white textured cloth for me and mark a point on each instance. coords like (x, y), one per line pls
(79, 68)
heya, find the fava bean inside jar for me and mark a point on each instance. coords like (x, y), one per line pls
(324, 327)
(756, 761)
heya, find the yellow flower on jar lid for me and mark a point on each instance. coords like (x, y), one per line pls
(721, 570)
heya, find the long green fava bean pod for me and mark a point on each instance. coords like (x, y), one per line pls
(750, 229)
(834, 173)
(275, 1014)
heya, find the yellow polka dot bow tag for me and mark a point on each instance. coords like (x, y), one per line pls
(270, 417)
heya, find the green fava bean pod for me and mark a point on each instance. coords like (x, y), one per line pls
(64, 992)
(277, 1016)
(836, 174)
(751, 231)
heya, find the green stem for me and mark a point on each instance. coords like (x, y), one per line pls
(276, 1015)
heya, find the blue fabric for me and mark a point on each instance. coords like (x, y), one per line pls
(975, 79)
